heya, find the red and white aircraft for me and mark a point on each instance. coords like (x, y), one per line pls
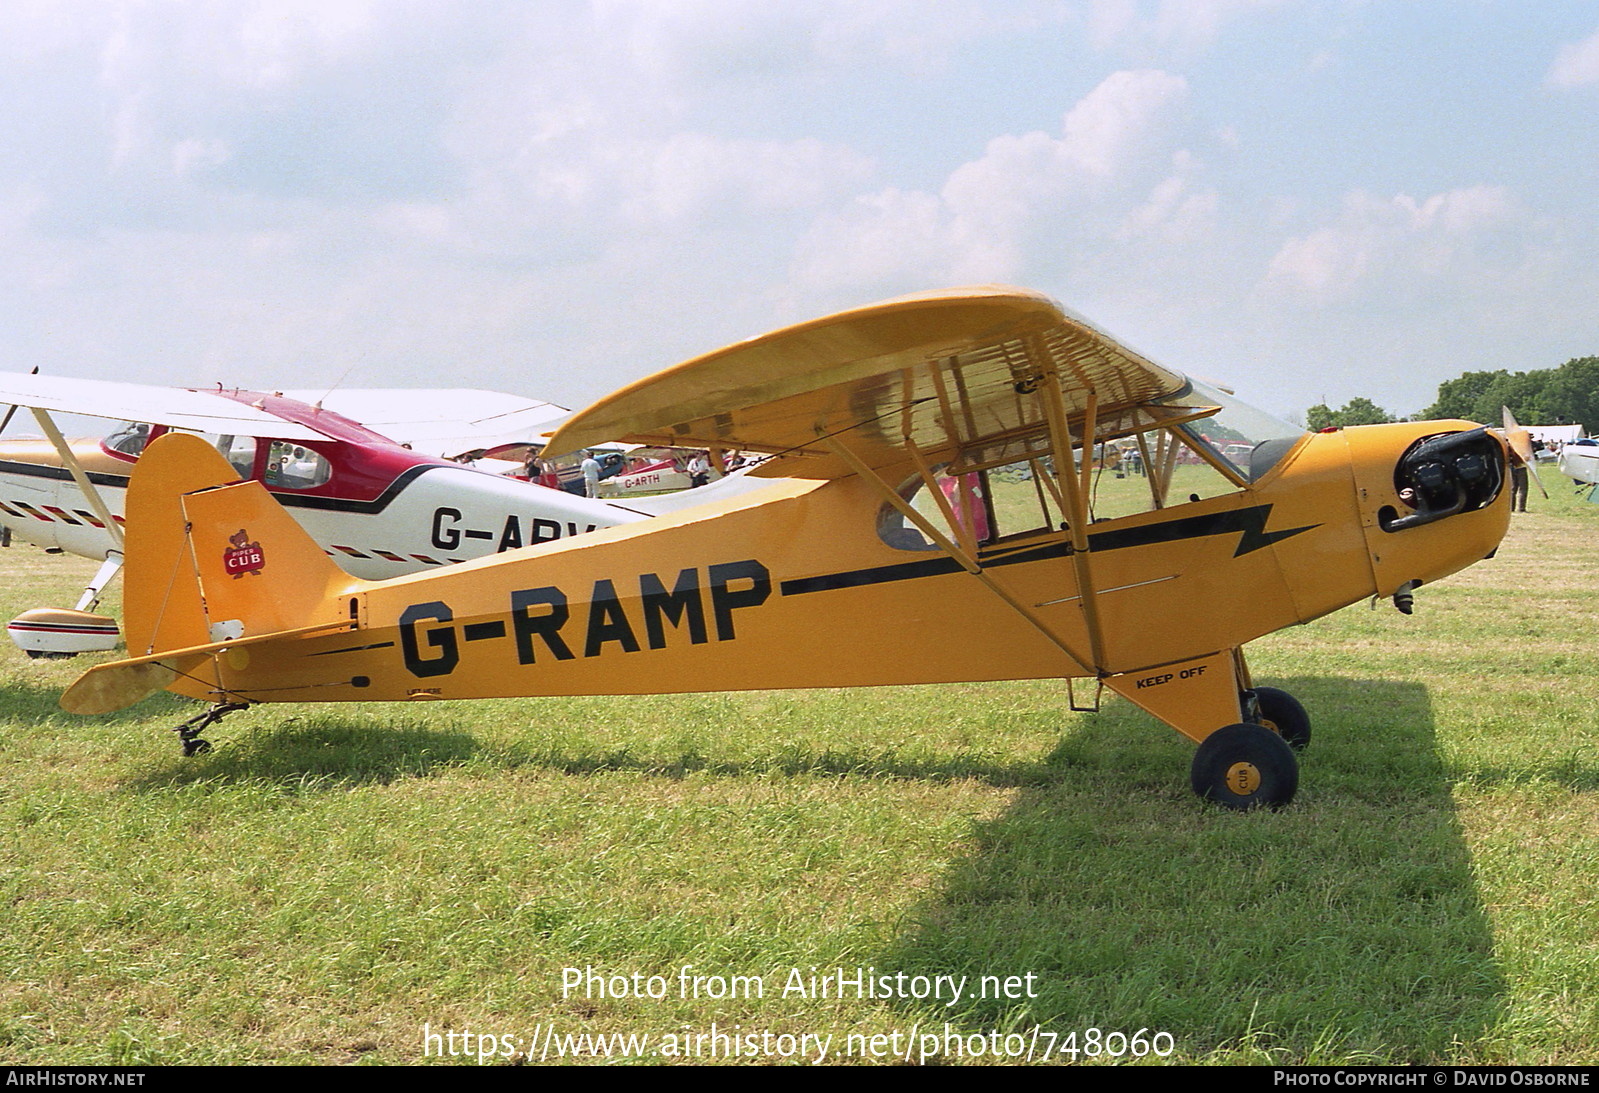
(379, 508)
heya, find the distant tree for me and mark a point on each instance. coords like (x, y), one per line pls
(1568, 395)
(1458, 397)
(1357, 411)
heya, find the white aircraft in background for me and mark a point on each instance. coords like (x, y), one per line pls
(378, 508)
(1579, 460)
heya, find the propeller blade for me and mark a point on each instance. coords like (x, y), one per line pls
(1520, 441)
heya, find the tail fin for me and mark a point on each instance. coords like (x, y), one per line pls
(212, 563)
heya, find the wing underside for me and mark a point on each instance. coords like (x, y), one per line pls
(947, 374)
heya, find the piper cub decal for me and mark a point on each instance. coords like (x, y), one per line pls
(243, 556)
(963, 486)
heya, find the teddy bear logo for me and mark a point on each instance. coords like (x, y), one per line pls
(243, 556)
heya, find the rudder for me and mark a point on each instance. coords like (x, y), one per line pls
(210, 557)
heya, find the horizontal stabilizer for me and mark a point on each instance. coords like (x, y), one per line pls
(112, 687)
(108, 688)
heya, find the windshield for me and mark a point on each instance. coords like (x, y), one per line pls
(1247, 439)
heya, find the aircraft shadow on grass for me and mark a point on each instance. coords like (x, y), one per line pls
(350, 747)
(1348, 925)
(325, 752)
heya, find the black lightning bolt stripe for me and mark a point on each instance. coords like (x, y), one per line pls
(1249, 524)
(904, 571)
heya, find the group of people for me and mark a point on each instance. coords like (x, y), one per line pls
(699, 467)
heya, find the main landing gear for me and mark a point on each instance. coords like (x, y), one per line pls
(189, 732)
(1252, 764)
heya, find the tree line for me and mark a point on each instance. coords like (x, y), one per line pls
(1568, 395)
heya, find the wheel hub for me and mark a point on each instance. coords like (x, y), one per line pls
(1243, 778)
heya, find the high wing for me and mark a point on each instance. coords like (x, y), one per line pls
(444, 422)
(170, 406)
(924, 376)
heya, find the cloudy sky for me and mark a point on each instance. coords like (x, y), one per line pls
(1306, 199)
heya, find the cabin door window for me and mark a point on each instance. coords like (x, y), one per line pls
(239, 451)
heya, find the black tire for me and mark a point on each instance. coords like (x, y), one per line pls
(1245, 766)
(1281, 712)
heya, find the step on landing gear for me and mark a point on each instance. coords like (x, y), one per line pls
(189, 732)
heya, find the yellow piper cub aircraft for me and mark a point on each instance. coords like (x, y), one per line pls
(973, 485)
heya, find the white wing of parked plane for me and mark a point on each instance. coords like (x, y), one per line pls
(442, 422)
(170, 406)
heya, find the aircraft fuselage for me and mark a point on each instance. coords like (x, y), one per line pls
(795, 587)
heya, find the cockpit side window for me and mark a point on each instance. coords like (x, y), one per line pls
(1193, 445)
(1025, 497)
(1181, 474)
(130, 439)
(291, 466)
(964, 497)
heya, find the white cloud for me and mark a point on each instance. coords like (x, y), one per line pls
(1173, 213)
(1394, 245)
(693, 177)
(1112, 123)
(1025, 192)
(894, 238)
(252, 189)
(698, 41)
(1576, 64)
(1200, 21)
(191, 156)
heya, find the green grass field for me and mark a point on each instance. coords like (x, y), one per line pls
(331, 881)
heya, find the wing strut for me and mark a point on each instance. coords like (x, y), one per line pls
(966, 560)
(1075, 488)
(96, 502)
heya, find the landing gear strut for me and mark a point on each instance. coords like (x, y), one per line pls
(1280, 712)
(189, 732)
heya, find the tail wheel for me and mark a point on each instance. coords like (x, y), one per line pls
(1281, 712)
(1245, 766)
